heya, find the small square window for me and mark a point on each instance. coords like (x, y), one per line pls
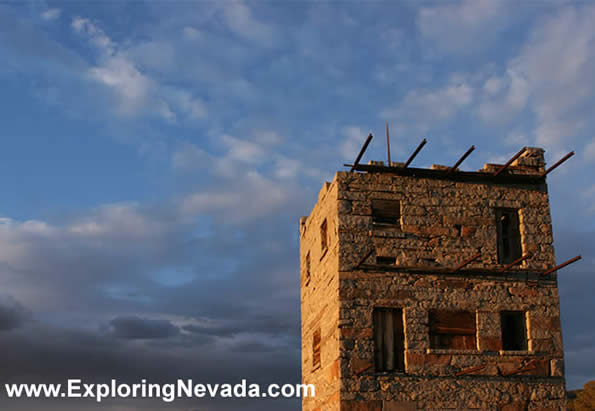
(514, 330)
(454, 330)
(386, 212)
(380, 260)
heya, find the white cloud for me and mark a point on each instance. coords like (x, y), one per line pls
(249, 178)
(559, 61)
(101, 229)
(189, 157)
(121, 220)
(137, 91)
(517, 138)
(128, 83)
(191, 106)
(590, 151)
(240, 156)
(423, 108)
(115, 70)
(354, 137)
(242, 150)
(287, 168)
(268, 137)
(551, 77)
(464, 26)
(240, 20)
(155, 55)
(504, 105)
(94, 33)
(248, 196)
(237, 154)
(493, 85)
(192, 33)
(51, 14)
(588, 198)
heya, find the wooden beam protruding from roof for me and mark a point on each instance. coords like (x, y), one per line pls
(463, 157)
(509, 162)
(387, 144)
(361, 152)
(564, 264)
(563, 159)
(415, 153)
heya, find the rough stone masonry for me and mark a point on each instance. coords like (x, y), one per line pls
(390, 323)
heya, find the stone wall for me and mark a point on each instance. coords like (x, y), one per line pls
(320, 301)
(442, 223)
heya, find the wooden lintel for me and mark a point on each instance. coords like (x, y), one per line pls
(470, 370)
(527, 367)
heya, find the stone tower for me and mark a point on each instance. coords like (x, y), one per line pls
(393, 318)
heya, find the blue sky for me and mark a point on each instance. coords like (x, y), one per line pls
(156, 157)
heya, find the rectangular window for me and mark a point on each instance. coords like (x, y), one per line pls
(389, 340)
(509, 235)
(380, 260)
(316, 349)
(454, 330)
(387, 212)
(307, 268)
(323, 236)
(514, 330)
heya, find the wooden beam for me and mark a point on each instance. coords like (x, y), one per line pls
(563, 159)
(530, 181)
(361, 153)
(527, 367)
(517, 261)
(463, 157)
(415, 153)
(364, 258)
(466, 262)
(564, 264)
(471, 370)
(387, 144)
(366, 368)
(509, 162)
(453, 330)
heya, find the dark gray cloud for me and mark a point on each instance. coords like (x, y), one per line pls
(577, 287)
(132, 327)
(51, 354)
(12, 314)
(157, 298)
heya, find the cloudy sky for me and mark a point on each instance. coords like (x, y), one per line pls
(156, 157)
